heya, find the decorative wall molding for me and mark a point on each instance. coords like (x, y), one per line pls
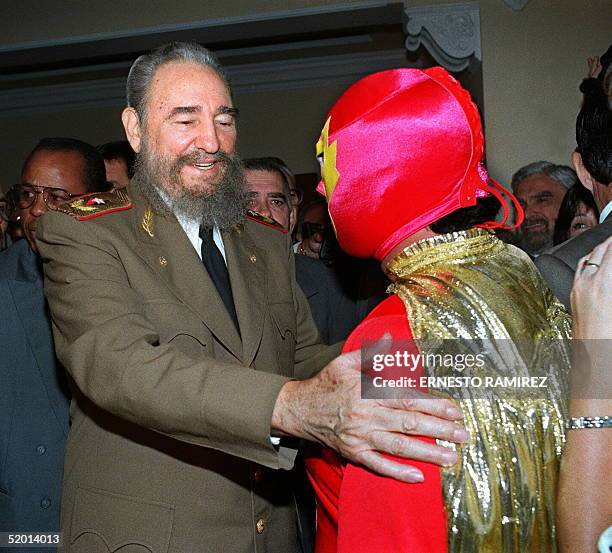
(216, 34)
(450, 33)
(253, 77)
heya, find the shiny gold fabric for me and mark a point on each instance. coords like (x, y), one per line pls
(500, 496)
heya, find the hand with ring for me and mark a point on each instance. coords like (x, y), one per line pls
(592, 294)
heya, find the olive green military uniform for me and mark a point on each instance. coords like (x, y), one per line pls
(169, 449)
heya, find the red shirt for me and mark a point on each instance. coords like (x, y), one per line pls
(361, 512)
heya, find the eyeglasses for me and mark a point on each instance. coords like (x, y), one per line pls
(26, 194)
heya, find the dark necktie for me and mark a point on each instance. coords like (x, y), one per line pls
(217, 269)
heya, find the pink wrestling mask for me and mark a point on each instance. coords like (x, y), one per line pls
(401, 149)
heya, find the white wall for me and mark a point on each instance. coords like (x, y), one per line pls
(533, 63)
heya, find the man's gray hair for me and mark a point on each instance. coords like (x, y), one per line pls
(145, 66)
(272, 165)
(562, 174)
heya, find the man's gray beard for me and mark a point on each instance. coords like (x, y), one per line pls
(535, 245)
(225, 206)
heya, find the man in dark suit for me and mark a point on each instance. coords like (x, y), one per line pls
(593, 162)
(183, 328)
(34, 405)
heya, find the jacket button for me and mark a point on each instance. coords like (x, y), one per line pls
(258, 475)
(260, 526)
(45, 503)
(41, 449)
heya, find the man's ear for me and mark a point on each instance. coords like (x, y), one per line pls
(583, 174)
(292, 218)
(131, 124)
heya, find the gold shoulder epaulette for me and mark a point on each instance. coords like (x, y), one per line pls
(267, 221)
(95, 204)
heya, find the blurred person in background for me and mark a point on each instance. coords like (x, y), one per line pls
(311, 226)
(577, 213)
(118, 161)
(593, 162)
(540, 187)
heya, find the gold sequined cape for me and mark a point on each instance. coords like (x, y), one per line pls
(468, 292)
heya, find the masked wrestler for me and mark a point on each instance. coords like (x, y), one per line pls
(401, 156)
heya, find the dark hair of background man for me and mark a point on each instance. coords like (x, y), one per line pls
(94, 170)
(119, 149)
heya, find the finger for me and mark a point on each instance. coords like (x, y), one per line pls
(361, 358)
(408, 447)
(601, 255)
(424, 403)
(601, 252)
(387, 467)
(585, 268)
(380, 347)
(419, 424)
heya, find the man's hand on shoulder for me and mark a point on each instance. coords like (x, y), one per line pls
(329, 409)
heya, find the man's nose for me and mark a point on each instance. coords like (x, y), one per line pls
(530, 210)
(259, 206)
(265, 209)
(39, 206)
(207, 138)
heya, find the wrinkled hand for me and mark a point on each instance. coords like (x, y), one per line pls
(591, 294)
(329, 409)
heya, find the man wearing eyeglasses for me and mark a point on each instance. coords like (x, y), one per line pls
(34, 402)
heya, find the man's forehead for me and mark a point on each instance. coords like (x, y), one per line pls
(535, 184)
(264, 180)
(54, 161)
(178, 82)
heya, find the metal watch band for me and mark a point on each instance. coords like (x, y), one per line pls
(575, 423)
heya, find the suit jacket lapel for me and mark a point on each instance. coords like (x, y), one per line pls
(169, 253)
(247, 269)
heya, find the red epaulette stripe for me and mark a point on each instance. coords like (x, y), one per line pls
(94, 215)
(275, 227)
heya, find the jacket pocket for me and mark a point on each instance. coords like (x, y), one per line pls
(283, 318)
(179, 326)
(108, 522)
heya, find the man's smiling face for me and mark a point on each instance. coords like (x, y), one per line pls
(541, 199)
(189, 127)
